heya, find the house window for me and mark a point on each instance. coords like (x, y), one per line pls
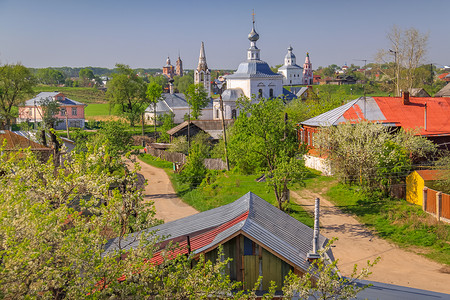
(233, 114)
(74, 111)
(271, 93)
(260, 93)
(63, 111)
(60, 98)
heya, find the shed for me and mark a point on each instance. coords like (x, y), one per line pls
(418, 92)
(261, 239)
(416, 181)
(211, 127)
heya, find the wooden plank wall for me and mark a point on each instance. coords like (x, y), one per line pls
(445, 206)
(431, 201)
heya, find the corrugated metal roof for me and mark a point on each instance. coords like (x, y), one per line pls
(254, 69)
(169, 102)
(212, 127)
(393, 112)
(43, 95)
(444, 92)
(251, 215)
(330, 117)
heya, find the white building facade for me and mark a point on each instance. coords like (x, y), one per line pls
(253, 79)
(292, 73)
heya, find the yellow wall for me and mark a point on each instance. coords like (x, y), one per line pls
(414, 188)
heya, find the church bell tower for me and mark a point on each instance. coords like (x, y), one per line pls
(202, 74)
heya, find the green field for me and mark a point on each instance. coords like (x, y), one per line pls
(81, 94)
(97, 109)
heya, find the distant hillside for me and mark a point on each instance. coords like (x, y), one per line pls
(73, 72)
(81, 94)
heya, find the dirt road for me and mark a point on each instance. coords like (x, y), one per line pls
(159, 189)
(356, 244)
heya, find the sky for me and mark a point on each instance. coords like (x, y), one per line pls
(142, 33)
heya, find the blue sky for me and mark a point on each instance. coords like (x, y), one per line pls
(143, 33)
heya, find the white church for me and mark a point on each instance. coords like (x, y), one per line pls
(254, 79)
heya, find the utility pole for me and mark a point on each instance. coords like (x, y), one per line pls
(67, 124)
(224, 130)
(397, 72)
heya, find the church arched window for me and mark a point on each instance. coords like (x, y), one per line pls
(202, 77)
(271, 93)
(217, 114)
(260, 93)
(233, 114)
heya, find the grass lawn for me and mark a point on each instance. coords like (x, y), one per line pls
(96, 109)
(223, 188)
(397, 220)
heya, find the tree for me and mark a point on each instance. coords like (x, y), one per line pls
(115, 136)
(50, 76)
(263, 140)
(407, 49)
(54, 225)
(194, 170)
(153, 93)
(86, 75)
(371, 155)
(197, 98)
(16, 83)
(443, 165)
(167, 123)
(126, 93)
(181, 84)
(322, 281)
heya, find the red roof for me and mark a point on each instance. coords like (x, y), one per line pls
(441, 76)
(430, 174)
(412, 115)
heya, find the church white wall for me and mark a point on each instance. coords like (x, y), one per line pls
(243, 84)
(266, 85)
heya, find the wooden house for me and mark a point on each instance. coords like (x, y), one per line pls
(211, 127)
(261, 240)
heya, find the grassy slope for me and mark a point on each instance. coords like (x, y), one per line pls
(226, 188)
(397, 220)
(81, 94)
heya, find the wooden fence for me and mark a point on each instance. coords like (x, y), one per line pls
(180, 158)
(436, 203)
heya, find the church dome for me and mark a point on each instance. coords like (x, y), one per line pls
(290, 55)
(253, 36)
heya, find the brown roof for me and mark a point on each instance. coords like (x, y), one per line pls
(430, 174)
(205, 125)
(15, 141)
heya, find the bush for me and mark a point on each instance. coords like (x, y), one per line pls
(194, 171)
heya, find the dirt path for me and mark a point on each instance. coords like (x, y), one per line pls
(159, 189)
(356, 244)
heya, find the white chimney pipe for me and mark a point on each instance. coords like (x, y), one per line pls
(315, 242)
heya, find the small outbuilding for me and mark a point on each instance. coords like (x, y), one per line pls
(416, 181)
(261, 240)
